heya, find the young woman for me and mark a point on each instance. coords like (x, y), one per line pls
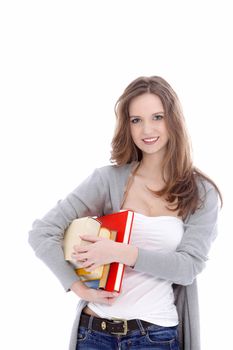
(175, 214)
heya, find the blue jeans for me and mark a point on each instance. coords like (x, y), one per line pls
(153, 337)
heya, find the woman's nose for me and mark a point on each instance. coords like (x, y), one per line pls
(147, 127)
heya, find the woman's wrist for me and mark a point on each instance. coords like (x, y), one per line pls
(126, 254)
(79, 288)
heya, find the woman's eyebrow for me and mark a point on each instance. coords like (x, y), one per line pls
(138, 116)
(162, 112)
(135, 117)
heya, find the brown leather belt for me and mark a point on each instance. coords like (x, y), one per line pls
(113, 326)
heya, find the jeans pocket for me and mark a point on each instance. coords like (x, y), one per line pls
(82, 334)
(163, 336)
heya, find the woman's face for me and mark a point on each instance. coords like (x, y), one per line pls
(147, 124)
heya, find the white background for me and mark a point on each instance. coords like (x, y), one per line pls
(63, 66)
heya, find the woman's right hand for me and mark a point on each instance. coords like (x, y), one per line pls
(93, 295)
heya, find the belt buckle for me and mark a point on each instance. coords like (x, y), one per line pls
(125, 326)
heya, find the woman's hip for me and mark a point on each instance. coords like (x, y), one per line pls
(96, 333)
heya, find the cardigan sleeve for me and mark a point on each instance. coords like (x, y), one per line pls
(46, 235)
(189, 259)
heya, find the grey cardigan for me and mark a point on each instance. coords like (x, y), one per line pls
(102, 193)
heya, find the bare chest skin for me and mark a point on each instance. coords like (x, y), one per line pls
(140, 199)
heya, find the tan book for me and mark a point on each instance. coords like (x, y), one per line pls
(86, 225)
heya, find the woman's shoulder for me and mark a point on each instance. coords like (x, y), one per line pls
(208, 194)
(205, 185)
(110, 170)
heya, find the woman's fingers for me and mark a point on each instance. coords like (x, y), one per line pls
(108, 297)
(79, 256)
(106, 294)
(86, 262)
(91, 238)
(80, 248)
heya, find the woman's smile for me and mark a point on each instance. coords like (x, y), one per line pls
(150, 140)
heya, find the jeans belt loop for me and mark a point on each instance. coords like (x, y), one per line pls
(90, 323)
(140, 326)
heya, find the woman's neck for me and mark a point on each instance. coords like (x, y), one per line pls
(150, 167)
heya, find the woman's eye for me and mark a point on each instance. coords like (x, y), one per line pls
(158, 117)
(135, 120)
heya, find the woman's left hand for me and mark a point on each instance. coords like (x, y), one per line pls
(101, 251)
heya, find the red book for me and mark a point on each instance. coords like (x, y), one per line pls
(121, 222)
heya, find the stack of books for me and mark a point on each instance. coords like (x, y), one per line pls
(116, 226)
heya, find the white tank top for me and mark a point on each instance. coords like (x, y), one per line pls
(142, 295)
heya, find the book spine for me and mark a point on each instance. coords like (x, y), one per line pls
(117, 269)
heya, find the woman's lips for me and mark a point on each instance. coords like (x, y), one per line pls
(150, 140)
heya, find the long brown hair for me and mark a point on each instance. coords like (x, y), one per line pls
(181, 186)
